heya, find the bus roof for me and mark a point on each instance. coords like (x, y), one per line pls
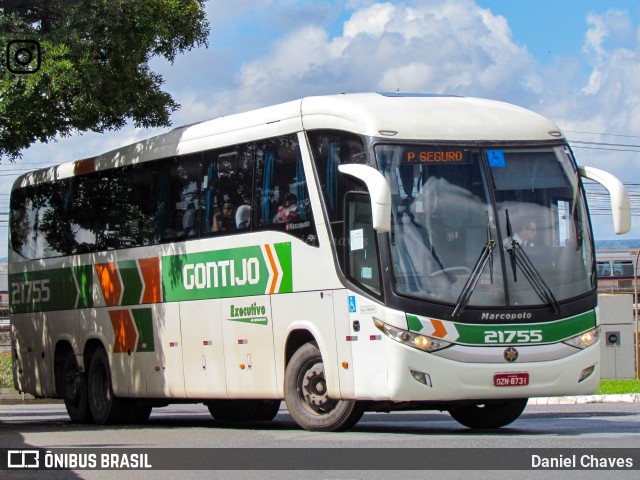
(398, 116)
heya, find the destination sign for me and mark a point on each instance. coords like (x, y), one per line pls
(435, 156)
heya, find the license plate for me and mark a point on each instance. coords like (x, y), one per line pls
(516, 379)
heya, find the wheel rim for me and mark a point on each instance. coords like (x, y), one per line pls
(313, 389)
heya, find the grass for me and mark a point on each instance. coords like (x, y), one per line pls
(607, 387)
(6, 374)
(619, 385)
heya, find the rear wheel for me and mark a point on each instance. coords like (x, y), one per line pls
(494, 414)
(305, 392)
(106, 409)
(74, 391)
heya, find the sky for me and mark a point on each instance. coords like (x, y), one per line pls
(576, 62)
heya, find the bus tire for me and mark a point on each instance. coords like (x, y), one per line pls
(305, 393)
(106, 409)
(74, 391)
(494, 414)
(266, 410)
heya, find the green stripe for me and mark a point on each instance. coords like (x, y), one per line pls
(283, 251)
(42, 291)
(84, 279)
(131, 282)
(543, 333)
(144, 323)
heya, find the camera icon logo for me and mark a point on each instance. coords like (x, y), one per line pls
(23, 56)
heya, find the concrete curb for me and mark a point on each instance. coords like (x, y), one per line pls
(583, 399)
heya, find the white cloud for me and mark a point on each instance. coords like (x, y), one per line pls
(371, 20)
(438, 46)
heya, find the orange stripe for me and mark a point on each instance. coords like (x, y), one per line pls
(150, 269)
(272, 287)
(109, 282)
(126, 335)
(87, 165)
(439, 330)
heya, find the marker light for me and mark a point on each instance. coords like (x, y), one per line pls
(411, 339)
(421, 377)
(586, 373)
(585, 339)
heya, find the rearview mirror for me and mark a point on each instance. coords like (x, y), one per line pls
(620, 205)
(379, 192)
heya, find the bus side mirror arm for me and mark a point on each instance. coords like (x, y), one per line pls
(620, 205)
(378, 190)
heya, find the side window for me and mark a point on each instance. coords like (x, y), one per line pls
(40, 226)
(23, 222)
(281, 193)
(228, 186)
(54, 230)
(604, 269)
(361, 250)
(622, 268)
(135, 206)
(330, 150)
(92, 196)
(178, 202)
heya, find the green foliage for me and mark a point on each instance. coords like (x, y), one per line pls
(618, 386)
(94, 70)
(6, 374)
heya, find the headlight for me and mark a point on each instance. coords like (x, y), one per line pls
(585, 339)
(415, 340)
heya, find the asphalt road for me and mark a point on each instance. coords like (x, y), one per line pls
(381, 439)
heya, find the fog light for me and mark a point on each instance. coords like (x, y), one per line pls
(586, 373)
(421, 377)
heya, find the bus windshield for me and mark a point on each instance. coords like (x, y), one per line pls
(505, 226)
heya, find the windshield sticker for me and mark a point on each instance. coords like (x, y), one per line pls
(496, 159)
(357, 239)
(366, 273)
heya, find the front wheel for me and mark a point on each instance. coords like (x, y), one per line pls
(494, 414)
(305, 393)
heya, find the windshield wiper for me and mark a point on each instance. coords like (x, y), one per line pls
(520, 259)
(485, 256)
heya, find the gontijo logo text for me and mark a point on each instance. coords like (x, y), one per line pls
(255, 270)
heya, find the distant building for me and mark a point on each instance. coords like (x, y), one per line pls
(616, 265)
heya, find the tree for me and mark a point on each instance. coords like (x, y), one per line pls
(83, 65)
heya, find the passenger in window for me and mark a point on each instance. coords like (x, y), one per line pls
(224, 221)
(243, 217)
(288, 212)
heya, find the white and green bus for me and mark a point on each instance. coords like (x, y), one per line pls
(346, 253)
